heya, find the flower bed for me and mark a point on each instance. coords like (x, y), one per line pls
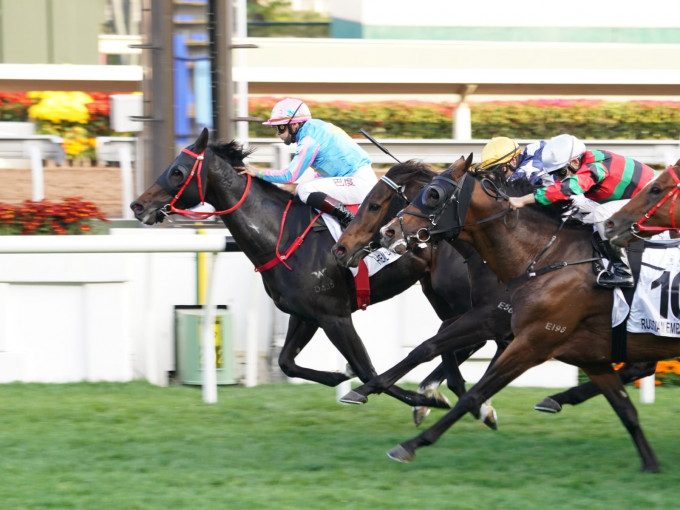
(72, 216)
(80, 117)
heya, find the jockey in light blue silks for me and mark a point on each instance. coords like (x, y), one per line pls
(344, 173)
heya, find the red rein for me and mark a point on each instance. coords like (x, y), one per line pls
(196, 172)
(672, 194)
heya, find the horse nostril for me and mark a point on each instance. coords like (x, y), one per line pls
(136, 207)
(389, 233)
(340, 250)
(609, 224)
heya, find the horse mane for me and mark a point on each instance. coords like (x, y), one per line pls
(521, 187)
(234, 154)
(411, 169)
(231, 151)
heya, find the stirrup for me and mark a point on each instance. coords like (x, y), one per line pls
(622, 284)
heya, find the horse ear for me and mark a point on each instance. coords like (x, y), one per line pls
(468, 161)
(202, 141)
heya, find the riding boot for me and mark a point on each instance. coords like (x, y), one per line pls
(619, 273)
(329, 205)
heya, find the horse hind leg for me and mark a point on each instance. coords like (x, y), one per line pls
(578, 394)
(298, 336)
(605, 378)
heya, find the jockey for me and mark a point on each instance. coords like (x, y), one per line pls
(596, 182)
(504, 152)
(344, 171)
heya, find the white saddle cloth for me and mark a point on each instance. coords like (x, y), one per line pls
(375, 261)
(656, 303)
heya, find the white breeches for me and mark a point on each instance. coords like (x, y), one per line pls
(348, 190)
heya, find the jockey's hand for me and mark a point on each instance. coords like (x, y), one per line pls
(247, 169)
(519, 202)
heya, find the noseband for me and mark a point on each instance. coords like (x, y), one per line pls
(638, 227)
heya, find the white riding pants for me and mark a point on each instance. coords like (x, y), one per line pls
(348, 190)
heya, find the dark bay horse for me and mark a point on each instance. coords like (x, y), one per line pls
(307, 284)
(652, 210)
(487, 314)
(556, 313)
(491, 321)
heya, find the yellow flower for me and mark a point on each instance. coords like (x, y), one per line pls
(57, 107)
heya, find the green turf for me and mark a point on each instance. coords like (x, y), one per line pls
(136, 446)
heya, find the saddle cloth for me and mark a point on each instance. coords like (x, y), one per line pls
(656, 303)
(375, 261)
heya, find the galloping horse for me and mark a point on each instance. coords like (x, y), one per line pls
(485, 317)
(649, 212)
(305, 283)
(557, 310)
(488, 316)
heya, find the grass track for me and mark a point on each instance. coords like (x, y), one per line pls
(136, 446)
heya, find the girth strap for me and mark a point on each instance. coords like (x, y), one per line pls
(620, 333)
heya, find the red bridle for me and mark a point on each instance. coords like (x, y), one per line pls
(673, 195)
(196, 171)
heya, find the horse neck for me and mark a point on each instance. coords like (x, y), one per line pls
(510, 245)
(256, 222)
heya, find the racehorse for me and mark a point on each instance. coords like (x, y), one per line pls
(557, 310)
(488, 315)
(649, 212)
(490, 319)
(305, 283)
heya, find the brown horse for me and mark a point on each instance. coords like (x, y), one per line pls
(486, 314)
(557, 310)
(649, 212)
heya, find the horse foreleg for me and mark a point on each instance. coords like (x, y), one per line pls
(464, 332)
(574, 396)
(344, 337)
(512, 362)
(297, 337)
(605, 378)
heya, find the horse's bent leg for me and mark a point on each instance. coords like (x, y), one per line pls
(605, 378)
(461, 333)
(515, 360)
(344, 337)
(297, 337)
(574, 396)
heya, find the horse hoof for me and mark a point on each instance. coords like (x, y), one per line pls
(489, 416)
(548, 405)
(400, 454)
(353, 397)
(439, 400)
(420, 413)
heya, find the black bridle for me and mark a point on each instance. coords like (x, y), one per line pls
(447, 214)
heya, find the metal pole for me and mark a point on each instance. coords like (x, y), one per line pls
(220, 27)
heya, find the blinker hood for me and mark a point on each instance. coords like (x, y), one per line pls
(190, 197)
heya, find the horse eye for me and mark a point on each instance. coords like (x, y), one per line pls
(373, 207)
(432, 197)
(655, 190)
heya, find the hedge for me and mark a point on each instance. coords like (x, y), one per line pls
(586, 119)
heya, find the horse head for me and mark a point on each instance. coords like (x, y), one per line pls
(437, 213)
(393, 192)
(650, 211)
(185, 182)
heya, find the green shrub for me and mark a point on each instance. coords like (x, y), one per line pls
(587, 119)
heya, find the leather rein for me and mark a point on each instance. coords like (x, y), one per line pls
(672, 195)
(196, 172)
